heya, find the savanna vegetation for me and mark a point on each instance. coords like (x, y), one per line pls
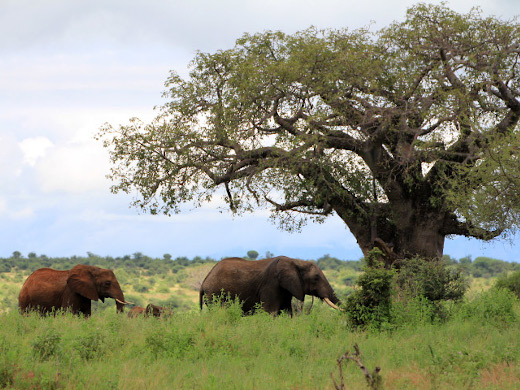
(419, 343)
(175, 282)
(469, 341)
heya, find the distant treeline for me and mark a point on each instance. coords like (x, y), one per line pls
(128, 262)
(485, 267)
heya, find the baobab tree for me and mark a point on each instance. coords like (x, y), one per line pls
(408, 134)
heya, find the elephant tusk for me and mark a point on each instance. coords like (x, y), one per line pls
(328, 301)
(124, 303)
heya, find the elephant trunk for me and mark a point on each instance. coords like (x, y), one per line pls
(120, 301)
(330, 298)
(119, 306)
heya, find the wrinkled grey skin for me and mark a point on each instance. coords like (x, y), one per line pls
(47, 290)
(269, 282)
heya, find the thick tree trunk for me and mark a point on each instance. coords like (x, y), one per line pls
(422, 239)
(414, 233)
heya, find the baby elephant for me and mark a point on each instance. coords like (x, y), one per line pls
(150, 311)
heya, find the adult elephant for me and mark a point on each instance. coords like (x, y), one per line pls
(269, 282)
(47, 290)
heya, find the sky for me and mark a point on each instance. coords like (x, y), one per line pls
(68, 67)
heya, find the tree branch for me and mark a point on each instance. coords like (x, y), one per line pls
(453, 226)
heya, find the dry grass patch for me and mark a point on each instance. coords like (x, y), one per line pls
(411, 377)
(500, 376)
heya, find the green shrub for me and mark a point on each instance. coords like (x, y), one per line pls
(6, 367)
(91, 345)
(225, 309)
(349, 280)
(169, 343)
(370, 305)
(141, 288)
(495, 305)
(6, 374)
(433, 279)
(487, 267)
(412, 312)
(47, 344)
(510, 282)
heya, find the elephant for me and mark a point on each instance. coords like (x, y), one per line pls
(150, 310)
(270, 282)
(136, 311)
(47, 290)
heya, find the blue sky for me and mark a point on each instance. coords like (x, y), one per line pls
(67, 67)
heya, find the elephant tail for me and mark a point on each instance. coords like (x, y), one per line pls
(201, 298)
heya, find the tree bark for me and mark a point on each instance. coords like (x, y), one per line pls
(415, 232)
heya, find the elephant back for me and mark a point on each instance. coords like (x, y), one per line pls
(42, 289)
(234, 276)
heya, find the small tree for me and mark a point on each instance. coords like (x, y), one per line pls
(252, 254)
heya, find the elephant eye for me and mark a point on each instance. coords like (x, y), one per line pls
(107, 283)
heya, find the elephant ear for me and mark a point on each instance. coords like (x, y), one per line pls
(81, 281)
(289, 278)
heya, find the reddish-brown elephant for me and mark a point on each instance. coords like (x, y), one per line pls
(150, 310)
(269, 282)
(136, 311)
(47, 290)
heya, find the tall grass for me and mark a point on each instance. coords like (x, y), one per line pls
(219, 348)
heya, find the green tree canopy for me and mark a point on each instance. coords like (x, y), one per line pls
(398, 132)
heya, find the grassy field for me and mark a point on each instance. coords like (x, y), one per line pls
(475, 346)
(220, 349)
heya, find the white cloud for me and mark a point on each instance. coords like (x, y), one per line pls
(73, 162)
(25, 213)
(199, 24)
(74, 168)
(10, 158)
(12, 213)
(98, 70)
(34, 148)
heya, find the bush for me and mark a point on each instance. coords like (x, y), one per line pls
(140, 288)
(495, 305)
(47, 344)
(172, 343)
(434, 280)
(227, 309)
(370, 305)
(91, 345)
(6, 374)
(487, 267)
(420, 287)
(413, 312)
(349, 280)
(510, 282)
